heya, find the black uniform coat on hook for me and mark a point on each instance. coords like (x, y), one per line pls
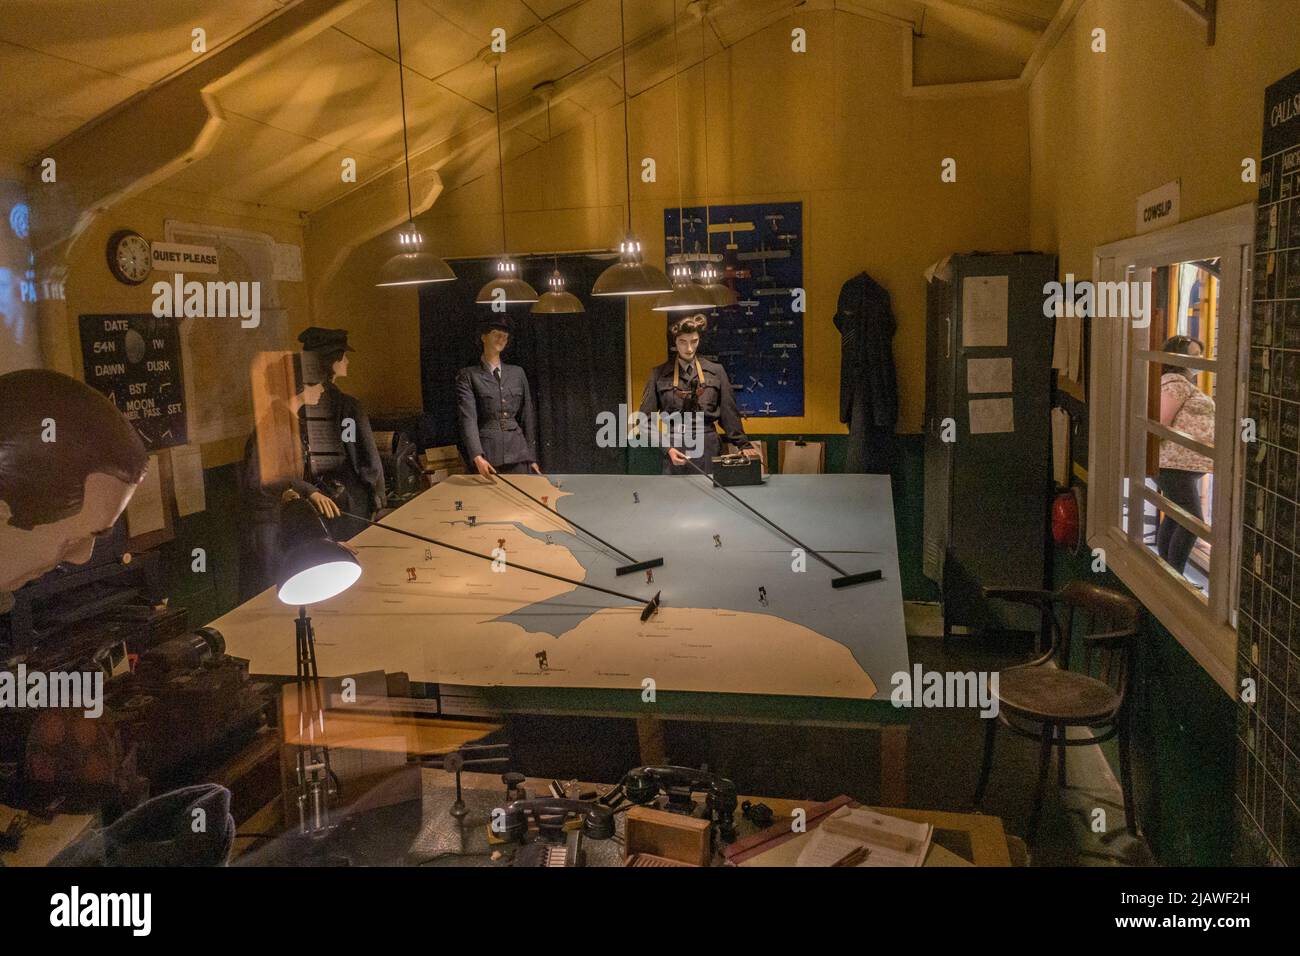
(868, 383)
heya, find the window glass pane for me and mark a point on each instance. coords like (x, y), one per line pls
(1182, 400)
(1170, 539)
(1185, 306)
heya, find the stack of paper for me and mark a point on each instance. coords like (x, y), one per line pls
(888, 840)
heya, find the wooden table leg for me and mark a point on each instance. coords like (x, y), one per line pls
(650, 735)
(893, 765)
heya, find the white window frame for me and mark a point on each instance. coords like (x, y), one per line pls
(1206, 629)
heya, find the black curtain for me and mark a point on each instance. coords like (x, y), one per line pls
(574, 363)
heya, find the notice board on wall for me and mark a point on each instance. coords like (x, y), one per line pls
(759, 341)
(135, 359)
(1269, 583)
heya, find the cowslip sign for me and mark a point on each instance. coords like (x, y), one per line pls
(1159, 207)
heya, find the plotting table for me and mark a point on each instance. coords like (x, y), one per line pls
(802, 652)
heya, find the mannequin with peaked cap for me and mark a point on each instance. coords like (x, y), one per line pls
(687, 385)
(498, 423)
(275, 461)
(354, 478)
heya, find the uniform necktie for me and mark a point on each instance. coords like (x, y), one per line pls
(497, 372)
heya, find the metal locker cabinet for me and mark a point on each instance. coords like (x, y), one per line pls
(987, 495)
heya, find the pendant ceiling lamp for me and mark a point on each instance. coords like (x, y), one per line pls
(721, 295)
(555, 301)
(411, 266)
(686, 295)
(507, 287)
(631, 275)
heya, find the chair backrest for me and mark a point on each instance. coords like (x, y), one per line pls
(1107, 625)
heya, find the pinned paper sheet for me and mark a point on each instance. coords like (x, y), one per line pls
(187, 477)
(145, 512)
(984, 312)
(991, 415)
(988, 375)
(1061, 447)
(286, 262)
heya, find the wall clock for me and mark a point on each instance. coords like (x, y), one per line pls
(128, 256)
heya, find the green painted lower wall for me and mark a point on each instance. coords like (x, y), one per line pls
(1184, 741)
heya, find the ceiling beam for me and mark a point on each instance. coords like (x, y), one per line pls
(477, 136)
(155, 134)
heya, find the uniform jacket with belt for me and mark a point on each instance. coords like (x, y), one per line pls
(716, 401)
(361, 466)
(497, 419)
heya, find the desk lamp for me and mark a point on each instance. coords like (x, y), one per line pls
(313, 568)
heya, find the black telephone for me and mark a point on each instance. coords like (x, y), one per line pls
(644, 784)
(554, 846)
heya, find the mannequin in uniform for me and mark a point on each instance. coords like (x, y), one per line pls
(356, 480)
(687, 384)
(498, 423)
(275, 461)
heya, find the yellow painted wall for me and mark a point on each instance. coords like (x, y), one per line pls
(830, 127)
(1158, 105)
(91, 288)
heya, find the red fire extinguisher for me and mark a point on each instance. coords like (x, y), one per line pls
(1067, 522)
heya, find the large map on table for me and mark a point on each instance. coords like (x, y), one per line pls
(736, 617)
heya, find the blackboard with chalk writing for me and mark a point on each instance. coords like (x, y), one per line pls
(1269, 585)
(135, 360)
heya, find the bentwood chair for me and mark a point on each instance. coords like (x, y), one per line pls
(1043, 698)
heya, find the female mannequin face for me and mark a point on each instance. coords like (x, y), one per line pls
(688, 343)
(495, 341)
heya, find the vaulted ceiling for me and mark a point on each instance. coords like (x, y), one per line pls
(289, 123)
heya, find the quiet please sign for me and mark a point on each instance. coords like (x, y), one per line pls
(176, 257)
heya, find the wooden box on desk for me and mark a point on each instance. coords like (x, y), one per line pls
(671, 836)
(443, 458)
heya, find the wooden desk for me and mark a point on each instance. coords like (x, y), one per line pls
(42, 841)
(988, 841)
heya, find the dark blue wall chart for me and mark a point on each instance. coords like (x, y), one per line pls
(760, 339)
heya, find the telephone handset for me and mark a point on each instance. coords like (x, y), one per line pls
(643, 784)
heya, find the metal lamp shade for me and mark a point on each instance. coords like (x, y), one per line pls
(414, 268)
(557, 301)
(516, 291)
(507, 287)
(630, 275)
(720, 296)
(316, 572)
(685, 297)
(313, 567)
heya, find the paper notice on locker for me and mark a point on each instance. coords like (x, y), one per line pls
(991, 415)
(984, 312)
(988, 375)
